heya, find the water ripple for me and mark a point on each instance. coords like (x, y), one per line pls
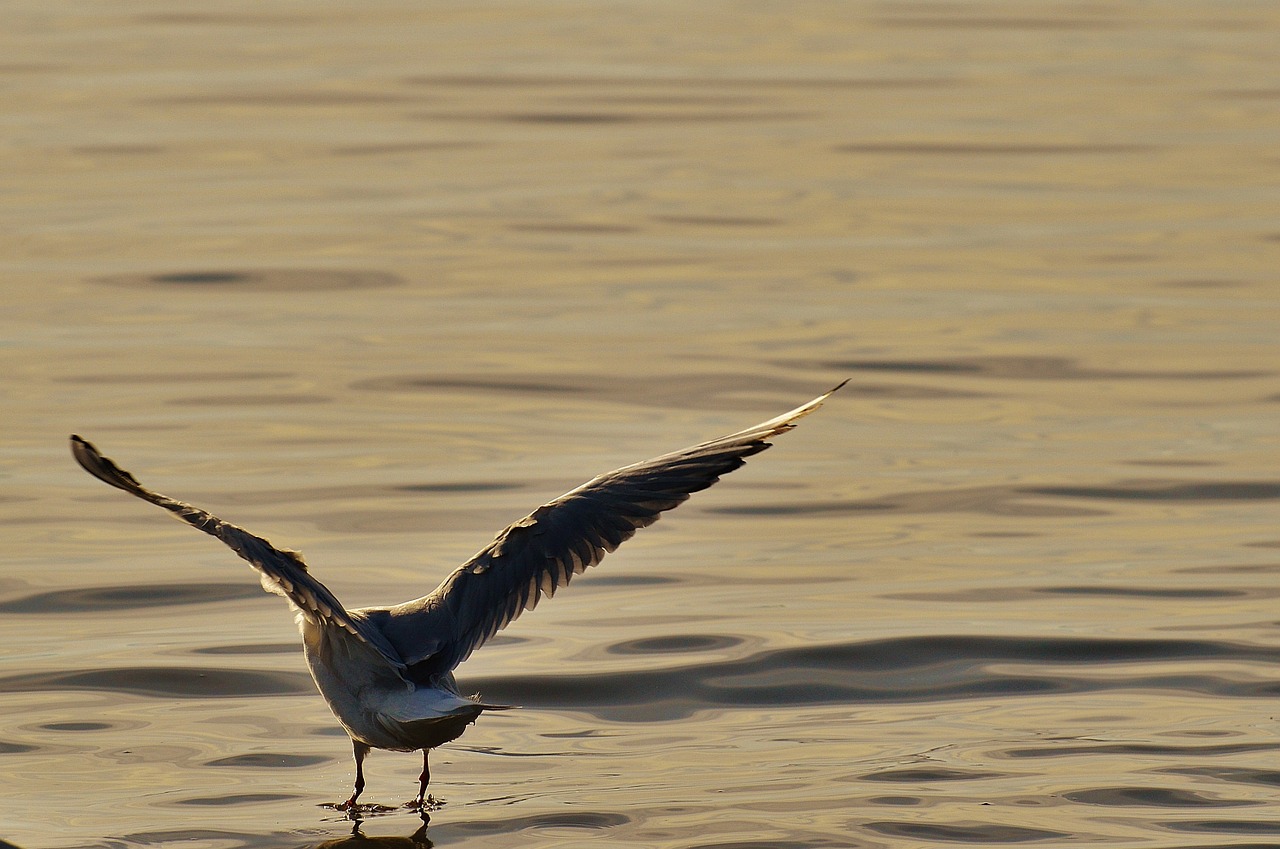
(1159, 490)
(170, 682)
(1228, 827)
(234, 799)
(685, 390)
(207, 281)
(911, 669)
(127, 597)
(957, 833)
(675, 644)
(916, 775)
(591, 820)
(1021, 501)
(268, 760)
(1237, 775)
(1159, 797)
(1138, 749)
(1030, 367)
(1011, 501)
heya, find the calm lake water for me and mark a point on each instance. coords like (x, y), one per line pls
(374, 280)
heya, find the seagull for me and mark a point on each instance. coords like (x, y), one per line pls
(387, 672)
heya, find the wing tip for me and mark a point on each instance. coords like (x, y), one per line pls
(93, 462)
(825, 395)
(104, 469)
(81, 446)
(787, 421)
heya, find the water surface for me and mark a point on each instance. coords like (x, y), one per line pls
(374, 284)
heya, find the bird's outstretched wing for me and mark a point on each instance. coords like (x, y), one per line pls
(282, 572)
(543, 551)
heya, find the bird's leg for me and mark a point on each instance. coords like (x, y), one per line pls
(424, 778)
(360, 750)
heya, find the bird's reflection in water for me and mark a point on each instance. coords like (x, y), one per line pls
(417, 840)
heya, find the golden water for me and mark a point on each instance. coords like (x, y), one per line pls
(373, 280)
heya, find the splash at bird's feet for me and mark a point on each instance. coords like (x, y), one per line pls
(431, 803)
(357, 811)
